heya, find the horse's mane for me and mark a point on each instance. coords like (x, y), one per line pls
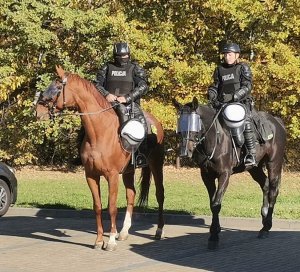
(90, 87)
(204, 108)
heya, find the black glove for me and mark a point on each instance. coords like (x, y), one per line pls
(240, 94)
(212, 95)
(227, 98)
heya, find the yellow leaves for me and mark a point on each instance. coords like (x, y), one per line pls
(185, 74)
(164, 112)
(9, 84)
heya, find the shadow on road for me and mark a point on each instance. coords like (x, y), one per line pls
(185, 245)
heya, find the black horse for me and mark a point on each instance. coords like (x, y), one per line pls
(210, 143)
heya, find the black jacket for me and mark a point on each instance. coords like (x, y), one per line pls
(140, 86)
(231, 83)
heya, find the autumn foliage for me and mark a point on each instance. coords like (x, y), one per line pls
(176, 41)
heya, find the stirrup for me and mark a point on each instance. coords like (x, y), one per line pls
(141, 161)
(250, 160)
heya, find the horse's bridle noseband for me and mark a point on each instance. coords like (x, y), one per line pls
(201, 134)
(51, 103)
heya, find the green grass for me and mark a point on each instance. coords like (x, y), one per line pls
(184, 193)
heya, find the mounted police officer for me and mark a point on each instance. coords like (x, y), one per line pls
(123, 82)
(233, 83)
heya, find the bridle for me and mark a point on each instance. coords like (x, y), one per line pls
(201, 133)
(213, 123)
(51, 103)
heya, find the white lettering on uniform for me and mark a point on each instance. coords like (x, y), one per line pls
(228, 77)
(118, 73)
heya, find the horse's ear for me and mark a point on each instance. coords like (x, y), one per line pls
(60, 71)
(195, 103)
(176, 104)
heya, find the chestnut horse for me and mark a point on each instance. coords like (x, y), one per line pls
(209, 143)
(102, 153)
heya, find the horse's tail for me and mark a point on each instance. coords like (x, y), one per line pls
(160, 131)
(144, 186)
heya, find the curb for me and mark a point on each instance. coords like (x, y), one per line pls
(172, 219)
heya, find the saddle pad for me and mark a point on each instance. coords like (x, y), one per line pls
(262, 127)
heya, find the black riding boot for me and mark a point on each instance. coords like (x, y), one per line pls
(122, 113)
(142, 152)
(250, 158)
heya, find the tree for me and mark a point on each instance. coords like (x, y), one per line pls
(177, 42)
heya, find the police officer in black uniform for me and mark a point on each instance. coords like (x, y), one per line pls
(233, 83)
(123, 83)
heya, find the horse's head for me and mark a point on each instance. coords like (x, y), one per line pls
(188, 126)
(55, 98)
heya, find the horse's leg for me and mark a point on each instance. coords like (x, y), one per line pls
(93, 183)
(157, 172)
(215, 196)
(270, 187)
(128, 180)
(113, 186)
(260, 177)
(274, 174)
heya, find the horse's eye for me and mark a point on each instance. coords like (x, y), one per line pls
(59, 87)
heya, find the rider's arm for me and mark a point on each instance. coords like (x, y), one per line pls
(100, 80)
(246, 83)
(212, 92)
(140, 82)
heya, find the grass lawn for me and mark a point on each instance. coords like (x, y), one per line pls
(185, 193)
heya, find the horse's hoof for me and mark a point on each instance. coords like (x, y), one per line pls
(110, 247)
(99, 245)
(263, 234)
(123, 236)
(213, 245)
(160, 234)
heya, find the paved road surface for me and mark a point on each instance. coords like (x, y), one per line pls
(56, 240)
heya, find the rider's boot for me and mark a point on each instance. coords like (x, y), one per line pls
(250, 158)
(142, 152)
(122, 113)
(141, 155)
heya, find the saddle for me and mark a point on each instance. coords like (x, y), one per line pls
(234, 116)
(137, 137)
(262, 127)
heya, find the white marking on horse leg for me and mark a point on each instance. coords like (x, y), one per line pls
(126, 226)
(112, 238)
(127, 221)
(112, 244)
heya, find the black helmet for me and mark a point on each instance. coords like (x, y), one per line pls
(121, 48)
(231, 47)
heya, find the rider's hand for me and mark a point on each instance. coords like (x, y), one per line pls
(121, 99)
(227, 98)
(111, 98)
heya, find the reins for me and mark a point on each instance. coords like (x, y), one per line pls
(61, 113)
(213, 123)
